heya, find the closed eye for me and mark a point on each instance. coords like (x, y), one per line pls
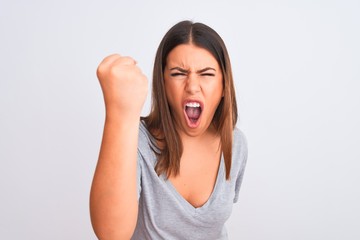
(177, 74)
(208, 74)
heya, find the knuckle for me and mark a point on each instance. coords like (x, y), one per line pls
(113, 71)
(100, 70)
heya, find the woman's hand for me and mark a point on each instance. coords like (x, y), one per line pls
(123, 84)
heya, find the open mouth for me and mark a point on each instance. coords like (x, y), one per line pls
(193, 113)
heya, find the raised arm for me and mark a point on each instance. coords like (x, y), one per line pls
(113, 197)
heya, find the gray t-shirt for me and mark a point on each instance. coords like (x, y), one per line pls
(165, 214)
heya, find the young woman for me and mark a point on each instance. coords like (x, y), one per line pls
(175, 173)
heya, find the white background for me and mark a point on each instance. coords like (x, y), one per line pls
(296, 67)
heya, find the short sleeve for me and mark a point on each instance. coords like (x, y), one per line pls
(243, 156)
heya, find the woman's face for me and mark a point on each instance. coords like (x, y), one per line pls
(194, 88)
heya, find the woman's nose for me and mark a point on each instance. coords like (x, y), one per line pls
(193, 84)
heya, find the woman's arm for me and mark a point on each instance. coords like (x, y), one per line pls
(113, 197)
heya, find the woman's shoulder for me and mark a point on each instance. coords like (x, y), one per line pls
(146, 142)
(144, 135)
(239, 137)
(143, 131)
(240, 148)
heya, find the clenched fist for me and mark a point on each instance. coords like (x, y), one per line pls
(123, 84)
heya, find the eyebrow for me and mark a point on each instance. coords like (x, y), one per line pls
(186, 71)
(179, 69)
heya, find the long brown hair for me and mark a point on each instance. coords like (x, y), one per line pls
(160, 122)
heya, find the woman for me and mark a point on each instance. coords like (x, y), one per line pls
(175, 173)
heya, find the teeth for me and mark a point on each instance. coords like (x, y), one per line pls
(193, 104)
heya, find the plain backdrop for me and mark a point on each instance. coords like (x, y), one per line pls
(296, 67)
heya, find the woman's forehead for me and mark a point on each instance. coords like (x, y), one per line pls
(190, 56)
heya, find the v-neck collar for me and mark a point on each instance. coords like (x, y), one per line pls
(188, 206)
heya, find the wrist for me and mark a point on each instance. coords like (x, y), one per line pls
(122, 117)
